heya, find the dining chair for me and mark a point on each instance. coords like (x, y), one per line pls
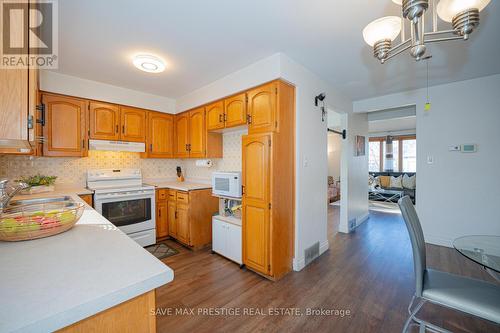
(471, 296)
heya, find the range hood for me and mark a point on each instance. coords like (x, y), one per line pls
(138, 147)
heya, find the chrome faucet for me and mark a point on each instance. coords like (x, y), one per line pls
(6, 196)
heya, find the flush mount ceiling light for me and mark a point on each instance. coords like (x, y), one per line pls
(462, 14)
(149, 63)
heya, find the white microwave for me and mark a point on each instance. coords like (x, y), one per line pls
(226, 184)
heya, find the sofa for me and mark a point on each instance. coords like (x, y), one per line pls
(385, 181)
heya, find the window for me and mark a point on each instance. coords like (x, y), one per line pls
(409, 155)
(374, 156)
(395, 154)
(404, 150)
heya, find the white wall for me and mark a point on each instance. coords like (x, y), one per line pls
(311, 138)
(75, 86)
(311, 160)
(264, 70)
(334, 151)
(459, 193)
(354, 174)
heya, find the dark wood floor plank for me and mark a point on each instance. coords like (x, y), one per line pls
(368, 272)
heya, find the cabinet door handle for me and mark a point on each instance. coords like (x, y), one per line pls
(175, 214)
(151, 147)
(187, 147)
(225, 117)
(249, 119)
(123, 129)
(83, 143)
(159, 212)
(221, 118)
(41, 108)
(116, 130)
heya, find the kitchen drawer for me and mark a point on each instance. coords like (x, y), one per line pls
(182, 197)
(161, 194)
(172, 194)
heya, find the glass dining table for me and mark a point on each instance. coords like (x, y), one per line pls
(484, 250)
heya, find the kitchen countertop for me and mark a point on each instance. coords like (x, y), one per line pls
(50, 283)
(180, 186)
(59, 190)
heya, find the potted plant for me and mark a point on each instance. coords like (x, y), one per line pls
(38, 183)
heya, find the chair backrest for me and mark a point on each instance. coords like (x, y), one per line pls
(417, 241)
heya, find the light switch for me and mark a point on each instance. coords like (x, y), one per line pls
(306, 162)
(430, 159)
(468, 148)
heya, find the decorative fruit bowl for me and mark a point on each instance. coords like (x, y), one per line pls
(39, 220)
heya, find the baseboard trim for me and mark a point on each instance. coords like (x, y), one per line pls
(300, 263)
(362, 219)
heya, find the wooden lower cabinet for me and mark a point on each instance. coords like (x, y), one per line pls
(189, 216)
(172, 225)
(256, 153)
(88, 198)
(182, 224)
(161, 219)
(134, 315)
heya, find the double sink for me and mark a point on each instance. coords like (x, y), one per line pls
(22, 202)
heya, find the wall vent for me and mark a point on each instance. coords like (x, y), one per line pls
(311, 253)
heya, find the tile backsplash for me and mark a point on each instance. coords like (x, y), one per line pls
(71, 170)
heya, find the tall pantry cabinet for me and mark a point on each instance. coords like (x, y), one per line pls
(268, 180)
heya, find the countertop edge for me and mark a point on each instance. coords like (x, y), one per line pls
(89, 309)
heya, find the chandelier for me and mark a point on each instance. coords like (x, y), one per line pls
(462, 14)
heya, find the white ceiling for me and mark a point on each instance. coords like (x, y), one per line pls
(206, 40)
(392, 125)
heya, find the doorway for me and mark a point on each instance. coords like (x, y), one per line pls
(335, 130)
(392, 157)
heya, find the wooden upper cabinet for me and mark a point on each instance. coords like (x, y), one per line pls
(14, 104)
(262, 109)
(182, 135)
(133, 123)
(235, 110)
(256, 158)
(104, 121)
(197, 133)
(215, 115)
(160, 136)
(18, 90)
(65, 126)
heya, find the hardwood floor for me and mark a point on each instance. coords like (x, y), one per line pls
(368, 272)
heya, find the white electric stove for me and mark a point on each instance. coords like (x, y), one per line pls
(120, 196)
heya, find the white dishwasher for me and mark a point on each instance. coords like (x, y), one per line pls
(226, 237)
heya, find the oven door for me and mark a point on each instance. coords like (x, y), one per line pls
(132, 211)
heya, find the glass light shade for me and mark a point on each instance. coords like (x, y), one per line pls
(398, 2)
(149, 63)
(447, 9)
(387, 27)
